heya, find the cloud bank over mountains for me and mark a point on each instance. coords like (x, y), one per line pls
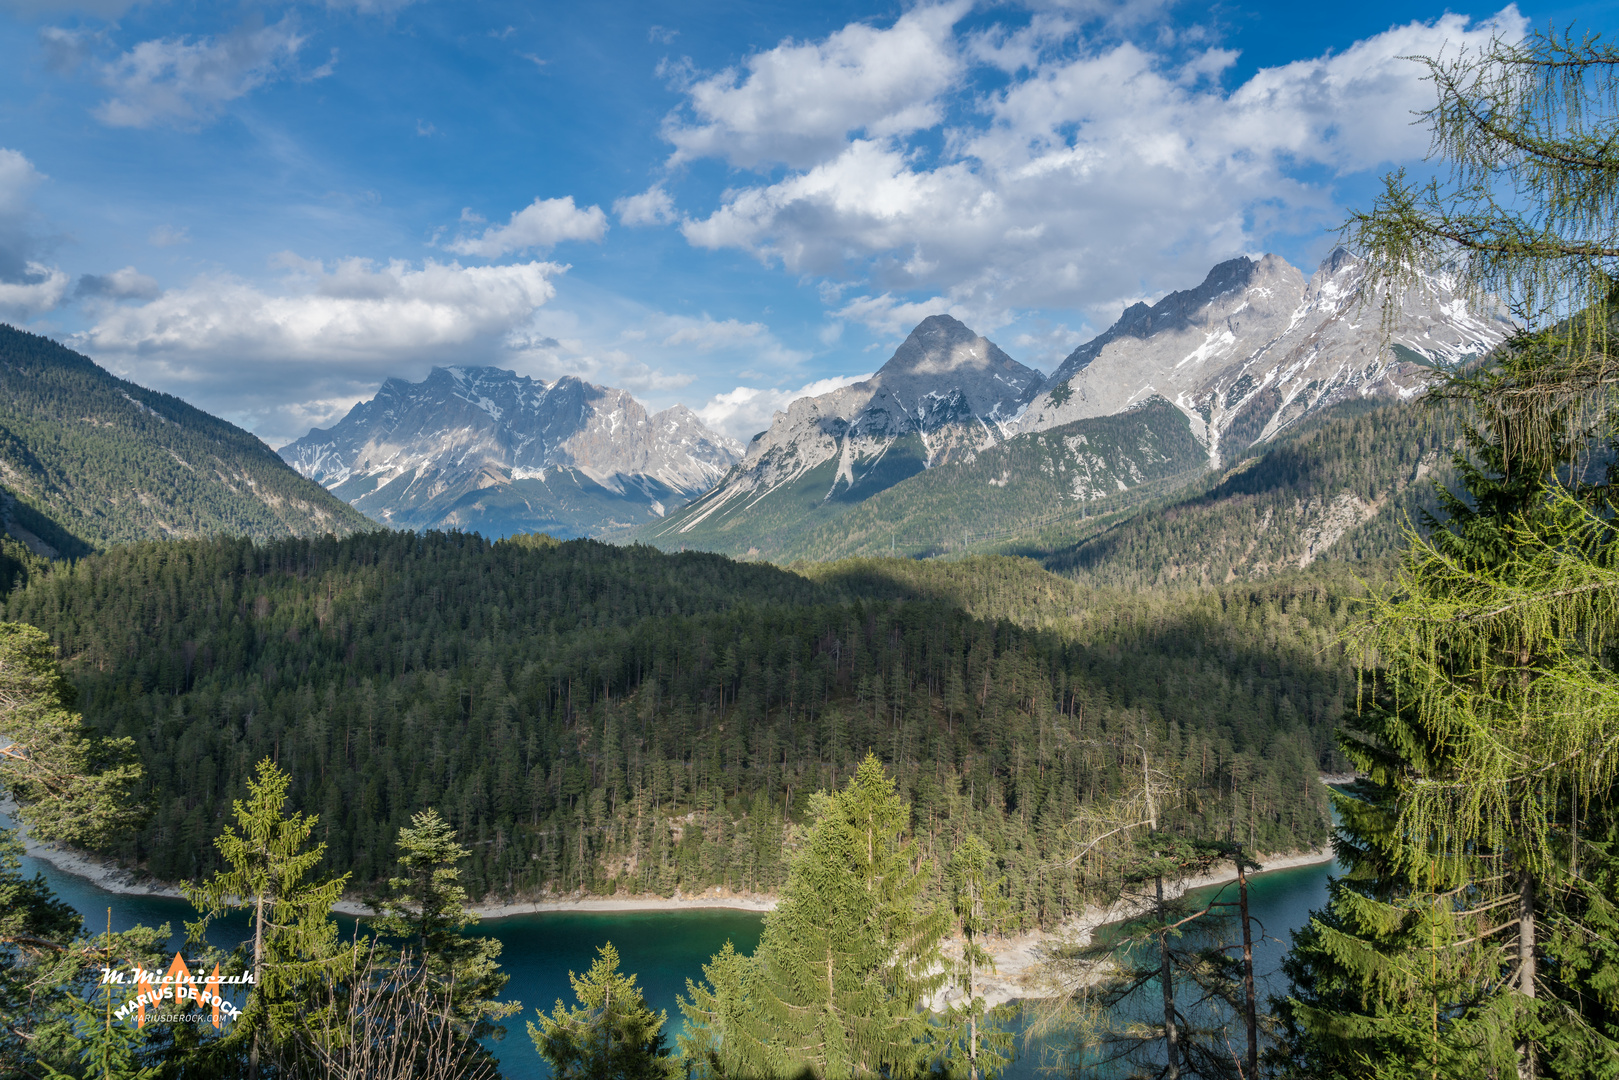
(1029, 170)
(1087, 171)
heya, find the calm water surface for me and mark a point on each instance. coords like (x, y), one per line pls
(663, 949)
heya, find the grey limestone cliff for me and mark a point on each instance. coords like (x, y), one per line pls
(486, 449)
(1256, 346)
(945, 392)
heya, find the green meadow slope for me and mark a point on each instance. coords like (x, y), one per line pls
(88, 460)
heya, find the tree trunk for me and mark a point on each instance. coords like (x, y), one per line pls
(1172, 1045)
(972, 1018)
(1526, 964)
(258, 981)
(1250, 1007)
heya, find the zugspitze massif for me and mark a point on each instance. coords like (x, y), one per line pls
(486, 450)
(1241, 358)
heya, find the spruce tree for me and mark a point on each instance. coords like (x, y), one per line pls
(1493, 732)
(1462, 841)
(610, 1034)
(977, 1044)
(1394, 976)
(847, 959)
(295, 946)
(429, 911)
(71, 786)
(1167, 992)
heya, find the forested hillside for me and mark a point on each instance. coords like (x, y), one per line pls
(1344, 490)
(1012, 487)
(88, 460)
(591, 717)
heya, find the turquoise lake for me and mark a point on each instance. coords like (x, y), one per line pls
(663, 949)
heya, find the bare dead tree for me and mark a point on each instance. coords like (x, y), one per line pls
(390, 1021)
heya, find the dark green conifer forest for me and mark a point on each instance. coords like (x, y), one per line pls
(619, 719)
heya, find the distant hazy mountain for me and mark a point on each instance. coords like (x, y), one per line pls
(1256, 347)
(483, 449)
(944, 395)
(88, 459)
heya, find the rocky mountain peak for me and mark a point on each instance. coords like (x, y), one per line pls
(1255, 347)
(943, 356)
(1232, 284)
(946, 393)
(466, 441)
(942, 346)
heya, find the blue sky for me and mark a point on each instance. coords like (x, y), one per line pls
(268, 208)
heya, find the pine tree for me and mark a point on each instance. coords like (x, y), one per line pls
(1396, 976)
(610, 1034)
(846, 960)
(1495, 733)
(75, 787)
(1529, 213)
(106, 1050)
(1168, 962)
(295, 945)
(429, 910)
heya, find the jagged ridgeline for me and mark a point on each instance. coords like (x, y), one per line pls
(953, 443)
(487, 450)
(617, 718)
(88, 460)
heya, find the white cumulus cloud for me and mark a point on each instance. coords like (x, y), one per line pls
(39, 290)
(744, 412)
(28, 285)
(186, 82)
(539, 226)
(18, 179)
(271, 359)
(798, 102)
(354, 310)
(1099, 169)
(654, 206)
(126, 284)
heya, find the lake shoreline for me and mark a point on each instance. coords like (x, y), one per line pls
(1015, 956)
(1018, 958)
(106, 875)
